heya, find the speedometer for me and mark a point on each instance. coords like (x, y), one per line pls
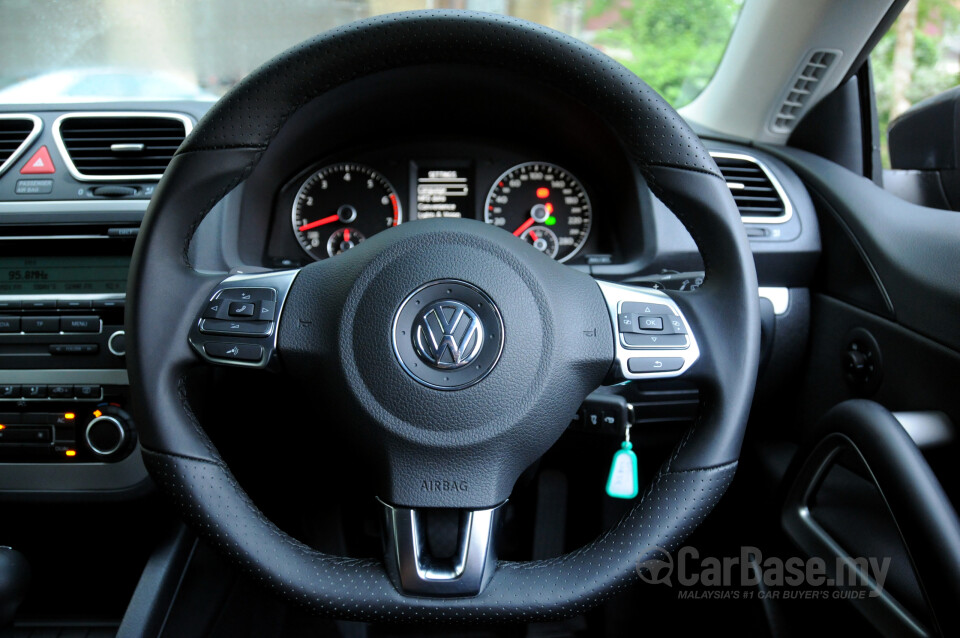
(544, 205)
(341, 205)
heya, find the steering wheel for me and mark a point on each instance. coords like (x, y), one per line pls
(445, 340)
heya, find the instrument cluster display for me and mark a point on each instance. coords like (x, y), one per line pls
(333, 207)
(443, 190)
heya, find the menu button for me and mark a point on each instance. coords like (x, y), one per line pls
(80, 324)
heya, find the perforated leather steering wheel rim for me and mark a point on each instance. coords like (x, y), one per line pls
(222, 151)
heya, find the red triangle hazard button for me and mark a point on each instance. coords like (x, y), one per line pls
(39, 164)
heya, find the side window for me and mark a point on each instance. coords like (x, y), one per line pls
(918, 58)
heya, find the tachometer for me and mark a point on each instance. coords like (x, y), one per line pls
(544, 205)
(340, 205)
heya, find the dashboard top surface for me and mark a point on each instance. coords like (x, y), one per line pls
(450, 170)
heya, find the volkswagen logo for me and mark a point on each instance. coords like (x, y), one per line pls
(449, 335)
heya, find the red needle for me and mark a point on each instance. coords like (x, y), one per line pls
(320, 222)
(346, 234)
(533, 236)
(525, 225)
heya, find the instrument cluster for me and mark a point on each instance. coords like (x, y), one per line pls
(332, 206)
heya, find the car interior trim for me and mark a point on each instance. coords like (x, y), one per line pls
(929, 428)
(879, 606)
(102, 479)
(31, 136)
(115, 376)
(778, 296)
(416, 573)
(79, 206)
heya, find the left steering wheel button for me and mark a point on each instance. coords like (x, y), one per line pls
(233, 351)
(267, 311)
(242, 309)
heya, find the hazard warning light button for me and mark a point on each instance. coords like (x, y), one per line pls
(39, 164)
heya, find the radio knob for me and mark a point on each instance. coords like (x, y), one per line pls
(117, 343)
(106, 435)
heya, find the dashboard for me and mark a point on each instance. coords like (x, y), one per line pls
(342, 170)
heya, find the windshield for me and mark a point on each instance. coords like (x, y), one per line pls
(98, 50)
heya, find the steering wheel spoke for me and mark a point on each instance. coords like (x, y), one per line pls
(238, 323)
(653, 339)
(415, 568)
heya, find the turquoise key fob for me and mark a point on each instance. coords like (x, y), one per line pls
(623, 481)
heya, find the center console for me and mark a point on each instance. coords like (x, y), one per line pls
(64, 397)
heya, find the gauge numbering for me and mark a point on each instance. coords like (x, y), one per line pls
(341, 198)
(538, 196)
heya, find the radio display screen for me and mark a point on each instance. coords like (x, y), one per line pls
(60, 274)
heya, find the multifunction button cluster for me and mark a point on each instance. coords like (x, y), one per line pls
(653, 339)
(238, 324)
(650, 325)
(249, 313)
(241, 311)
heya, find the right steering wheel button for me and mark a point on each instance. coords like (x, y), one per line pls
(675, 324)
(650, 323)
(637, 365)
(643, 309)
(653, 340)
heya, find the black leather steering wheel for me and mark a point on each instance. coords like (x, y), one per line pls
(467, 426)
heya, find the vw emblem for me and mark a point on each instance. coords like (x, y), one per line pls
(449, 335)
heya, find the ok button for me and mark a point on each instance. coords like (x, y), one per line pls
(650, 323)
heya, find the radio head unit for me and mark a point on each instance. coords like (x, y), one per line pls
(61, 303)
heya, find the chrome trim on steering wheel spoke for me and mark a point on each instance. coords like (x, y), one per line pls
(415, 572)
(671, 347)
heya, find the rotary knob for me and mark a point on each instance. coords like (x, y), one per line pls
(110, 434)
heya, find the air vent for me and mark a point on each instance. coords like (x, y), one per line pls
(756, 191)
(119, 146)
(17, 132)
(802, 90)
